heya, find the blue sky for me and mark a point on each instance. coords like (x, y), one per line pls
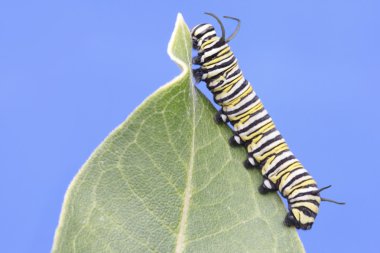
(71, 71)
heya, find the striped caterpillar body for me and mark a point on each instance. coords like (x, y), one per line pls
(253, 127)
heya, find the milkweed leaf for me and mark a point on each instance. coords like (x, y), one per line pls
(166, 180)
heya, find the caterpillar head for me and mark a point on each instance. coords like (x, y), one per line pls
(300, 217)
(202, 33)
(304, 206)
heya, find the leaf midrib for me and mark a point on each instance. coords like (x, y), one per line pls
(180, 243)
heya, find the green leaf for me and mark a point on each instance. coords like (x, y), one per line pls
(166, 180)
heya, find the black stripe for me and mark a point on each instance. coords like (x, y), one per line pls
(281, 162)
(219, 65)
(306, 211)
(258, 121)
(305, 201)
(216, 86)
(278, 154)
(215, 54)
(293, 180)
(268, 142)
(250, 102)
(209, 29)
(218, 43)
(209, 37)
(224, 83)
(235, 93)
(269, 132)
(311, 192)
(302, 187)
(294, 169)
(215, 93)
(258, 111)
(216, 76)
(270, 150)
(235, 73)
(264, 161)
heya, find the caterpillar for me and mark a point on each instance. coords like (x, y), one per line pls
(253, 127)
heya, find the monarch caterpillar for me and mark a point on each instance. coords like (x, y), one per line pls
(253, 127)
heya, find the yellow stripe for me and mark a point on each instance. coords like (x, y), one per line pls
(254, 109)
(219, 55)
(217, 60)
(206, 43)
(234, 65)
(234, 81)
(224, 51)
(249, 112)
(293, 187)
(261, 131)
(248, 138)
(226, 88)
(288, 169)
(302, 218)
(267, 164)
(308, 196)
(278, 149)
(257, 139)
(236, 100)
(220, 78)
(237, 78)
(309, 205)
(258, 107)
(266, 127)
(303, 184)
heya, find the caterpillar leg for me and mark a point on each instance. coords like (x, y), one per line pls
(290, 220)
(220, 117)
(197, 60)
(267, 186)
(235, 140)
(197, 73)
(250, 163)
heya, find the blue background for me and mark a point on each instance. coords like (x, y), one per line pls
(71, 71)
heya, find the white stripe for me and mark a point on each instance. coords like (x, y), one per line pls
(221, 62)
(213, 51)
(229, 75)
(200, 29)
(302, 190)
(232, 90)
(269, 147)
(204, 36)
(305, 197)
(251, 120)
(236, 95)
(214, 83)
(287, 189)
(292, 176)
(281, 168)
(241, 103)
(277, 160)
(266, 139)
(219, 70)
(253, 129)
(211, 45)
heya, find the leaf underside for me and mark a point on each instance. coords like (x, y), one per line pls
(166, 180)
